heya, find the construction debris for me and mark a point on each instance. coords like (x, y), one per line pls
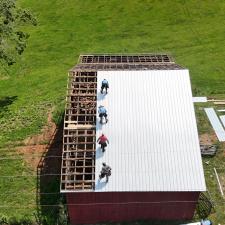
(208, 150)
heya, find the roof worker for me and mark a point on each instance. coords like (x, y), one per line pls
(103, 140)
(105, 84)
(105, 172)
(102, 113)
(206, 222)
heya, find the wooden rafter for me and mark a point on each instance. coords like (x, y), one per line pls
(78, 159)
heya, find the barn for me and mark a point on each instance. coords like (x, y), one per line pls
(153, 145)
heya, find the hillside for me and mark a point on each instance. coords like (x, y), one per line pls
(193, 32)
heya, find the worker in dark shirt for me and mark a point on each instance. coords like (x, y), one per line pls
(105, 172)
(102, 113)
(105, 84)
(103, 140)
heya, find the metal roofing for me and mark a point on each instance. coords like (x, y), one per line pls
(216, 124)
(199, 99)
(222, 118)
(152, 132)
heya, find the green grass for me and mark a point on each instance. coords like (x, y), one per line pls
(191, 31)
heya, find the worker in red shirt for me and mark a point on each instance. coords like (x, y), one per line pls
(103, 140)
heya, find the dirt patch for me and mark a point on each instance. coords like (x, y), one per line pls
(37, 145)
(45, 136)
(208, 139)
(32, 154)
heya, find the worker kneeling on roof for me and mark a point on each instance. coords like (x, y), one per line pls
(105, 84)
(102, 113)
(105, 172)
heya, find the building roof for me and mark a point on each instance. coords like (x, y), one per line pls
(152, 131)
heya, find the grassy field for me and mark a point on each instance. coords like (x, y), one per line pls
(192, 31)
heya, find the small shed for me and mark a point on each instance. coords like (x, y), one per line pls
(154, 149)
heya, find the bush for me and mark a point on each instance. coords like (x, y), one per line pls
(15, 221)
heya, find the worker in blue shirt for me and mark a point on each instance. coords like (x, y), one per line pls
(105, 84)
(102, 113)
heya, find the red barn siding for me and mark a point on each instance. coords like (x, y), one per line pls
(97, 207)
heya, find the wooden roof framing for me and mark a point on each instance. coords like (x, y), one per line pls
(95, 62)
(78, 159)
(122, 58)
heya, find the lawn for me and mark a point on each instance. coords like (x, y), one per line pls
(192, 31)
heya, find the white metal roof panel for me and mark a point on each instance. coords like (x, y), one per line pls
(152, 132)
(222, 118)
(199, 99)
(216, 124)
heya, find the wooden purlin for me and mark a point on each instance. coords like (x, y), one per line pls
(78, 159)
(127, 66)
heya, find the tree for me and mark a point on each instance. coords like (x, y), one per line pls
(12, 39)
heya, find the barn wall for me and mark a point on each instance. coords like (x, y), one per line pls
(127, 206)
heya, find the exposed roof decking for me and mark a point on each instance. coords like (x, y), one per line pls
(145, 61)
(78, 157)
(152, 132)
(126, 66)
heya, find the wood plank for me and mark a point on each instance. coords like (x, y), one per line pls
(219, 103)
(80, 126)
(218, 180)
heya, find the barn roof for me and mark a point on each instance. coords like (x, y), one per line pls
(152, 129)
